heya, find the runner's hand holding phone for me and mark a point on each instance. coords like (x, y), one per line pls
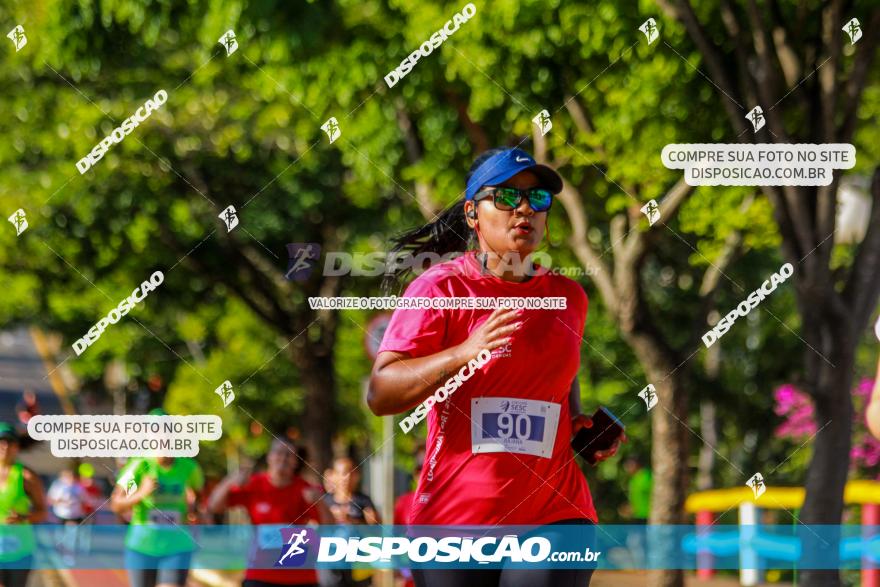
(602, 435)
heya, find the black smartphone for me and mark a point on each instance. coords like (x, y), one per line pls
(601, 436)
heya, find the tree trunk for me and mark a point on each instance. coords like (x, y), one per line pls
(669, 453)
(709, 424)
(827, 472)
(670, 447)
(319, 414)
(709, 432)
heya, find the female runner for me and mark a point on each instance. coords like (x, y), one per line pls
(499, 444)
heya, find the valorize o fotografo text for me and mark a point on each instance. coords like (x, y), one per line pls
(121, 131)
(113, 316)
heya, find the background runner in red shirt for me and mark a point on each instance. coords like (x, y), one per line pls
(275, 496)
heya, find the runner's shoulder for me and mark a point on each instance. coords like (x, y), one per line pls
(28, 475)
(568, 287)
(438, 280)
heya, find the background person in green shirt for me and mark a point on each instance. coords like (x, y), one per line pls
(639, 506)
(158, 543)
(639, 490)
(22, 502)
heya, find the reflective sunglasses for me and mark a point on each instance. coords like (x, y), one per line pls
(510, 198)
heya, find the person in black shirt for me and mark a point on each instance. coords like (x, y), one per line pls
(349, 507)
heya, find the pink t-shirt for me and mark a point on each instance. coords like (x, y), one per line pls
(459, 486)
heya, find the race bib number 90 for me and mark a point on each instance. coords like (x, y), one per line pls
(506, 424)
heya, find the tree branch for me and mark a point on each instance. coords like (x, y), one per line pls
(728, 17)
(475, 132)
(831, 39)
(863, 285)
(414, 154)
(580, 244)
(672, 201)
(791, 251)
(683, 11)
(788, 60)
(582, 122)
(539, 144)
(855, 85)
(767, 77)
(712, 276)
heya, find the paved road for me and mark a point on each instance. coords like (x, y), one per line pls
(118, 579)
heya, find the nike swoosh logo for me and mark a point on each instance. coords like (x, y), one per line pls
(521, 159)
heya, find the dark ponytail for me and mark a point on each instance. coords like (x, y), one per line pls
(448, 233)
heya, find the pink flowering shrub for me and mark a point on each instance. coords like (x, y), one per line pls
(796, 410)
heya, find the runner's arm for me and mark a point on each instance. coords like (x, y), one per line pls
(315, 506)
(399, 382)
(34, 489)
(121, 503)
(371, 516)
(218, 502)
(574, 398)
(580, 420)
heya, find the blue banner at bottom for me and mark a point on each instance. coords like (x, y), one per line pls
(612, 547)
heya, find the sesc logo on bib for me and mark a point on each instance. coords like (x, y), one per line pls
(508, 424)
(295, 549)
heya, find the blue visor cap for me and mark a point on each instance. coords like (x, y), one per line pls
(501, 167)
